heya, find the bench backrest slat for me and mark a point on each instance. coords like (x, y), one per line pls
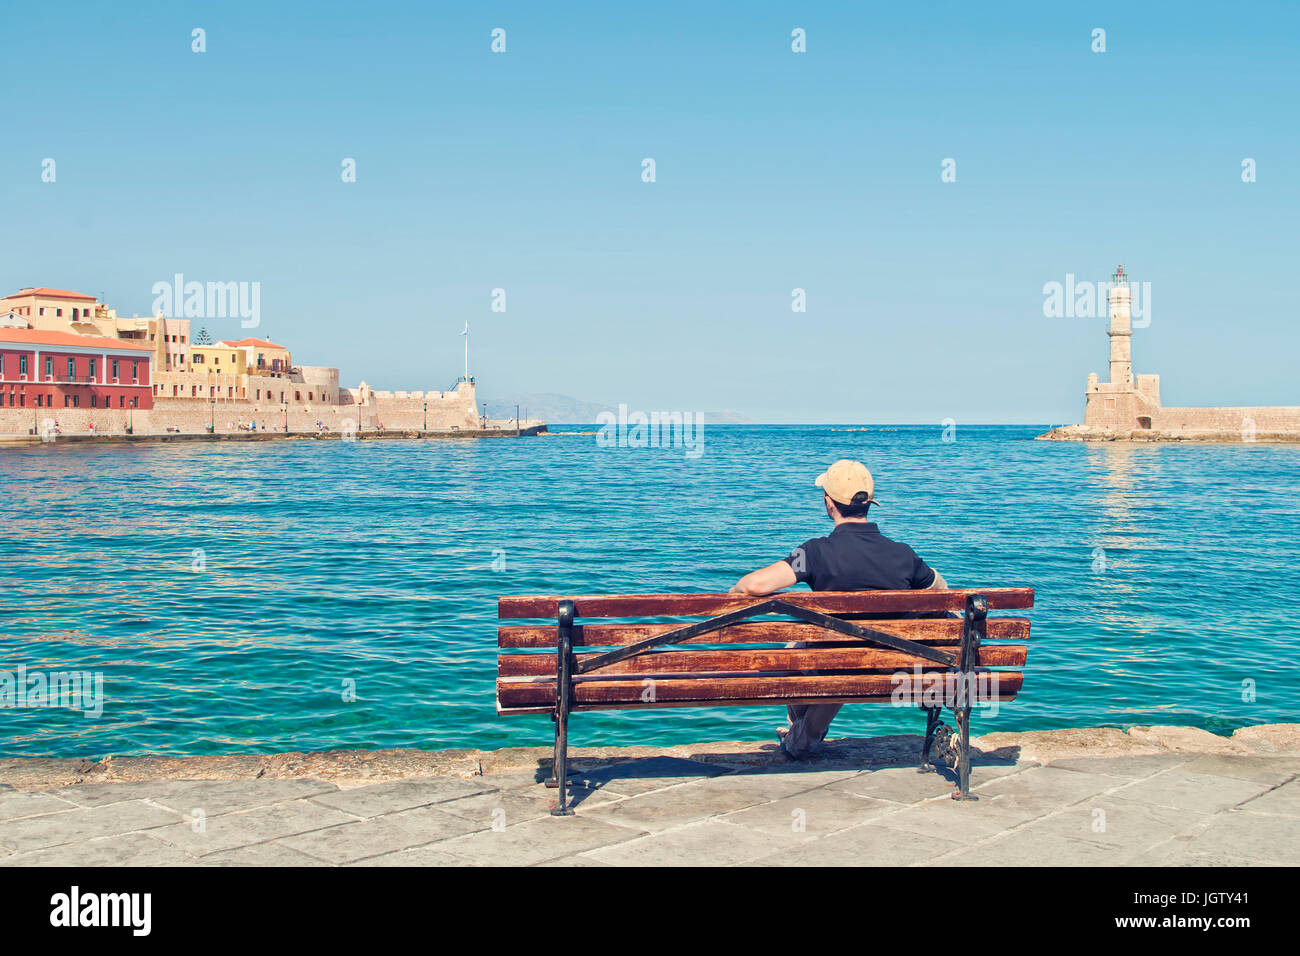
(708, 605)
(820, 658)
(524, 696)
(759, 631)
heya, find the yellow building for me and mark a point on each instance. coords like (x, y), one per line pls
(261, 356)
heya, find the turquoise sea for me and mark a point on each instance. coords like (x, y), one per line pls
(231, 593)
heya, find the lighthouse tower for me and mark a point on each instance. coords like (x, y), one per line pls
(1121, 329)
(1126, 402)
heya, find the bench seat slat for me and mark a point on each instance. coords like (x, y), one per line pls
(828, 602)
(922, 630)
(515, 696)
(804, 659)
(764, 702)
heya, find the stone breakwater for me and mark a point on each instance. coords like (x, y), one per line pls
(193, 419)
(364, 412)
(1234, 436)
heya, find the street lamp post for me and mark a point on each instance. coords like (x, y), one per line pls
(426, 416)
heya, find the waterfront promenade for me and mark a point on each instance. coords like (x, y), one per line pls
(1156, 796)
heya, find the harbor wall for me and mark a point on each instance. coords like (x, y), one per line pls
(366, 411)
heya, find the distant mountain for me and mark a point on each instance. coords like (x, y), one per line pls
(552, 407)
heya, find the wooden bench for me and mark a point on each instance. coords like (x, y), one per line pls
(851, 647)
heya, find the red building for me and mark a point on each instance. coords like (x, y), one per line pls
(47, 369)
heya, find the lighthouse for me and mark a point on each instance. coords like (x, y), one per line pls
(1121, 329)
(1126, 402)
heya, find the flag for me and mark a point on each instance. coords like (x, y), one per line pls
(465, 331)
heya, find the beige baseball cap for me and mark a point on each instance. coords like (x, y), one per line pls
(846, 478)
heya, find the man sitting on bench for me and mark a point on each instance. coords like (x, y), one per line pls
(855, 556)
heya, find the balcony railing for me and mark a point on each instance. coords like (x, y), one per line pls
(63, 380)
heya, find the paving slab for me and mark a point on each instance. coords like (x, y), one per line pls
(958, 821)
(1132, 766)
(1283, 800)
(1181, 852)
(186, 796)
(502, 807)
(671, 807)
(1251, 836)
(15, 804)
(431, 855)
(1110, 819)
(1036, 848)
(261, 854)
(128, 849)
(1270, 770)
(708, 843)
(867, 844)
(77, 825)
(650, 773)
(379, 798)
(815, 813)
(536, 841)
(1044, 789)
(159, 791)
(1182, 789)
(772, 784)
(378, 835)
(899, 784)
(229, 830)
(575, 861)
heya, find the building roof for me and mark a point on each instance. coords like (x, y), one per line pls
(50, 294)
(44, 337)
(254, 343)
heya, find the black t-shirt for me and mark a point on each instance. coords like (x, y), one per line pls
(857, 557)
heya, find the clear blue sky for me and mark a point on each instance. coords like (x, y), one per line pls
(775, 170)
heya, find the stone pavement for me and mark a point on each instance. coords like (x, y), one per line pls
(1160, 796)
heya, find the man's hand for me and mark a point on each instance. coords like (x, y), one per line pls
(766, 580)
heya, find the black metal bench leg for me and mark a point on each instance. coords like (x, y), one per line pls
(977, 607)
(931, 722)
(963, 754)
(563, 701)
(551, 782)
(562, 808)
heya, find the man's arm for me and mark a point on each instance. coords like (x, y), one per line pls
(939, 584)
(766, 580)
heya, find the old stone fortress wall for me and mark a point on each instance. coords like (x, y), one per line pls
(1128, 407)
(222, 387)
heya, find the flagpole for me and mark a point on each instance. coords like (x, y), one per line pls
(466, 334)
